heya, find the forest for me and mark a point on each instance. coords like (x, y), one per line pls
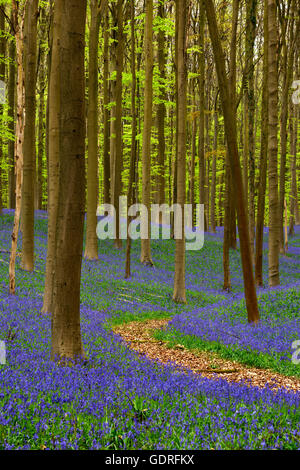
(149, 225)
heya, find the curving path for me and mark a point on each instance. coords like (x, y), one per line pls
(138, 337)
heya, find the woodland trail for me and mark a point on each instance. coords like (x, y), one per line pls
(138, 337)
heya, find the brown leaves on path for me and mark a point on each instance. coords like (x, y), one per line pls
(207, 364)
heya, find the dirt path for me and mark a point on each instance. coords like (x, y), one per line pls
(207, 364)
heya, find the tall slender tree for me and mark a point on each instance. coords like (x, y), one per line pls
(288, 65)
(11, 113)
(106, 127)
(116, 129)
(251, 7)
(131, 184)
(18, 28)
(274, 220)
(214, 169)
(53, 157)
(201, 135)
(29, 151)
(231, 136)
(91, 244)
(229, 204)
(161, 109)
(179, 294)
(2, 79)
(263, 158)
(146, 150)
(293, 196)
(42, 83)
(66, 332)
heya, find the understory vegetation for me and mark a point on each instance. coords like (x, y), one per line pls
(117, 399)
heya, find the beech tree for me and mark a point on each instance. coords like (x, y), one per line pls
(42, 89)
(54, 105)
(146, 150)
(2, 77)
(91, 244)
(251, 7)
(263, 158)
(11, 113)
(29, 149)
(116, 146)
(230, 129)
(18, 29)
(66, 333)
(288, 45)
(179, 294)
(131, 189)
(161, 110)
(106, 113)
(274, 219)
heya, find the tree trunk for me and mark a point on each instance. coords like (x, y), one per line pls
(53, 157)
(192, 169)
(207, 150)
(146, 151)
(2, 79)
(231, 136)
(288, 63)
(201, 147)
(41, 146)
(293, 196)
(229, 204)
(106, 156)
(11, 123)
(226, 241)
(274, 221)
(263, 159)
(18, 28)
(30, 55)
(50, 43)
(91, 244)
(174, 160)
(179, 294)
(220, 200)
(112, 130)
(246, 149)
(117, 137)
(249, 48)
(131, 188)
(66, 332)
(213, 172)
(41, 113)
(161, 111)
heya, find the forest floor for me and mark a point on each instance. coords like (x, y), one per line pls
(152, 393)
